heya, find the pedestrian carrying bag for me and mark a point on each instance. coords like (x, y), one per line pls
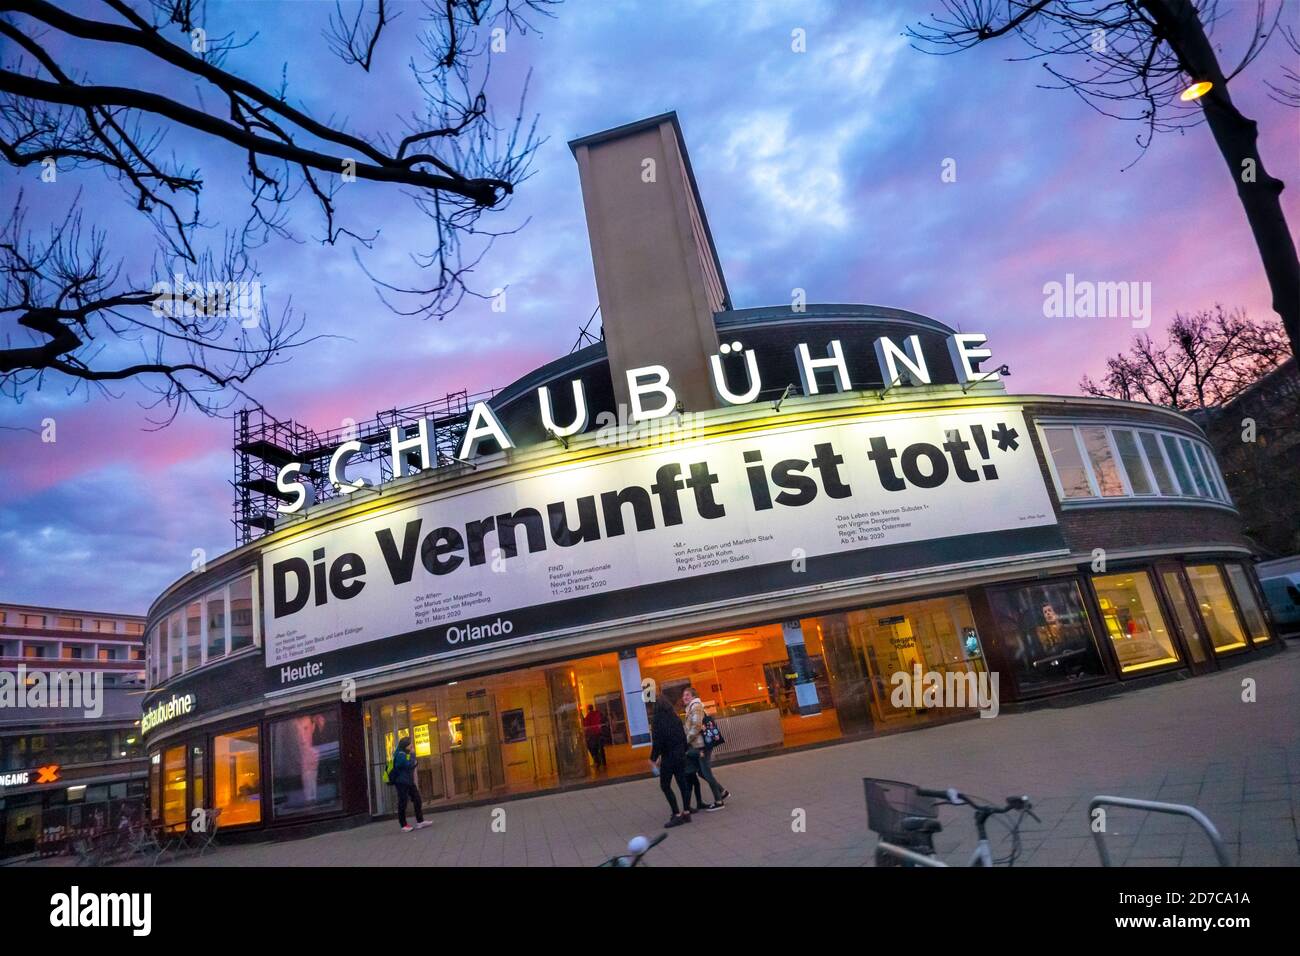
(712, 733)
(388, 773)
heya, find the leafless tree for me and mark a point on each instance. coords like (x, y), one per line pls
(1133, 60)
(69, 309)
(1207, 359)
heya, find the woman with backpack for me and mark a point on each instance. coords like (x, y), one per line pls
(702, 735)
(402, 776)
(668, 756)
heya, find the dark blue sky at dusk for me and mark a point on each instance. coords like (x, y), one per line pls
(818, 170)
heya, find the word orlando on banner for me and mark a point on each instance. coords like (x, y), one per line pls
(646, 531)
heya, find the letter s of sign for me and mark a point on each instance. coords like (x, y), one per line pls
(302, 492)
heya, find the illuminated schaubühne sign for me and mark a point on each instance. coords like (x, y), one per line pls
(652, 397)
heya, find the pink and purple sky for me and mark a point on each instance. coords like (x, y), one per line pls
(819, 170)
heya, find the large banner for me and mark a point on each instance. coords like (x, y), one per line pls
(651, 530)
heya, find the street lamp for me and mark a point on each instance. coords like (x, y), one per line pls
(1196, 91)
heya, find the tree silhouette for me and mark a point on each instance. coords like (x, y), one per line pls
(70, 311)
(1133, 60)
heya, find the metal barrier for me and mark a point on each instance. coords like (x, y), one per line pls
(909, 856)
(1153, 806)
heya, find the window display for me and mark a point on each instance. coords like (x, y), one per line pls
(1132, 617)
(1045, 631)
(1215, 606)
(237, 777)
(305, 764)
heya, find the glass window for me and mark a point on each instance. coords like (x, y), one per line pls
(1131, 456)
(1239, 578)
(1164, 480)
(1198, 476)
(173, 797)
(241, 614)
(155, 782)
(193, 635)
(237, 777)
(305, 764)
(1211, 479)
(1046, 635)
(1176, 462)
(216, 605)
(33, 620)
(175, 643)
(155, 655)
(196, 775)
(69, 623)
(1183, 614)
(1215, 606)
(1103, 462)
(1070, 470)
(1131, 615)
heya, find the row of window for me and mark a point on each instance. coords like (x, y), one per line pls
(1111, 461)
(74, 652)
(207, 629)
(1049, 641)
(305, 773)
(97, 625)
(77, 747)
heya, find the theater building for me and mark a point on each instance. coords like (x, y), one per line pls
(797, 509)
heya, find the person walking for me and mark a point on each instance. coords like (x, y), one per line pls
(668, 757)
(593, 726)
(699, 753)
(402, 776)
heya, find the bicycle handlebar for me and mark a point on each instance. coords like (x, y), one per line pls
(957, 798)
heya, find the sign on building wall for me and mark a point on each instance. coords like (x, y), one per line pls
(655, 530)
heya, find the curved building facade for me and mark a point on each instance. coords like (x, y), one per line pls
(833, 521)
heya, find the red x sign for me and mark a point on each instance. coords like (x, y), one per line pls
(49, 774)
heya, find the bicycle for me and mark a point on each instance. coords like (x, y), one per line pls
(906, 818)
(637, 847)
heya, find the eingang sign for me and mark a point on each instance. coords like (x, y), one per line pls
(643, 533)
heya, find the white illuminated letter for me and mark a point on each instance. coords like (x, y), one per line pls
(637, 388)
(339, 464)
(966, 350)
(579, 424)
(400, 445)
(888, 355)
(304, 493)
(483, 424)
(808, 367)
(720, 380)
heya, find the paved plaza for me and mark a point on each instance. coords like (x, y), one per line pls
(1193, 741)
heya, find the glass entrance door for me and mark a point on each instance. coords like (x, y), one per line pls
(388, 721)
(470, 746)
(1186, 618)
(930, 638)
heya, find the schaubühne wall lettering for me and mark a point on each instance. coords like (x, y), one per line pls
(820, 516)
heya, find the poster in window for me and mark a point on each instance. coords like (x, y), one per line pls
(514, 729)
(305, 764)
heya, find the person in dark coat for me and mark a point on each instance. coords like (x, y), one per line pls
(668, 755)
(402, 777)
